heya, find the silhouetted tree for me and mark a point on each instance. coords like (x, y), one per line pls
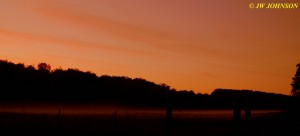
(296, 82)
(44, 67)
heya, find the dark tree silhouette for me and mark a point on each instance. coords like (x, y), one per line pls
(296, 82)
(26, 83)
(44, 67)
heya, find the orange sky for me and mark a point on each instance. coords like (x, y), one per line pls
(188, 44)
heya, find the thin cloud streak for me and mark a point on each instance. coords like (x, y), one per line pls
(71, 43)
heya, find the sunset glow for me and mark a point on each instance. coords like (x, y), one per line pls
(188, 44)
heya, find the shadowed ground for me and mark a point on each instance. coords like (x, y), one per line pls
(136, 124)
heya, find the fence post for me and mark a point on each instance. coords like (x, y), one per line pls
(169, 116)
(59, 115)
(59, 125)
(248, 108)
(237, 113)
(115, 123)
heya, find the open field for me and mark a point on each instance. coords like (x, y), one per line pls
(134, 122)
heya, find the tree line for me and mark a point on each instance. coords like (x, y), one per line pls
(20, 83)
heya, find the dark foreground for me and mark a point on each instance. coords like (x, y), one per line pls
(132, 125)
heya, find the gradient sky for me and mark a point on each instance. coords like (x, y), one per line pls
(188, 44)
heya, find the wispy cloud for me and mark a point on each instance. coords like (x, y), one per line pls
(72, 44)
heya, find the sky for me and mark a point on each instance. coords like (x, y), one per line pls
(187, 44)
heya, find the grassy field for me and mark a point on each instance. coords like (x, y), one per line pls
(145, 123)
